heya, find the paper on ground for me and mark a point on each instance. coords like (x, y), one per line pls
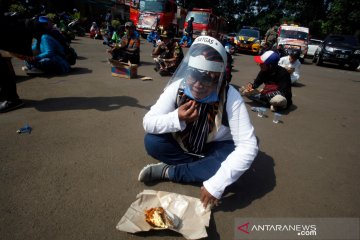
(194, 218)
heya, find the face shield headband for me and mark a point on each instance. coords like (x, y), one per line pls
(208, 57)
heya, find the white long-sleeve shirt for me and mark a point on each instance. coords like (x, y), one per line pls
(285, 63)
(163, 118)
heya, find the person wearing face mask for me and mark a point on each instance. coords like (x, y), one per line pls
(167, 54)
(276, 80)
(199, 128)
(292, 64)
(129, 47)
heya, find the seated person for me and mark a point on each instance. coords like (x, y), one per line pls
(168, 54)
(117, 35)
(199, 128)
(279, 49)
(53, 31)
(292, 64)
(153, 37)
(186, 40)
(276, 93)
(95, 31)
(49, 54)
(129, 47)
(109, 32)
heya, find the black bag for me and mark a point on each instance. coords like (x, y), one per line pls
(70, 55)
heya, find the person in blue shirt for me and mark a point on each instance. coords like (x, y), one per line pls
(153, 37)
(49, 54)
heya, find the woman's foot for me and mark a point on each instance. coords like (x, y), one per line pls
(154, 172)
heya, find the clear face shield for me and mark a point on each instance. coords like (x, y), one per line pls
(202, 70)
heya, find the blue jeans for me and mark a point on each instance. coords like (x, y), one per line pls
(187, 168)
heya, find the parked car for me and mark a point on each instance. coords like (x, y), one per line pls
(312, 46)
(339, 49)
(248, 39)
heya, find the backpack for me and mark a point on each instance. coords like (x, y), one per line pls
(70, 55)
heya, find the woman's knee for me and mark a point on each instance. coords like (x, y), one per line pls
(156, 143)
(150, 143)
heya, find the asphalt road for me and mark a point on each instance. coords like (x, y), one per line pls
(76, 174)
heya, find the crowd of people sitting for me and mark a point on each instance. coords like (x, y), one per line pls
(42, 46)
(51, 55)
(199, 129)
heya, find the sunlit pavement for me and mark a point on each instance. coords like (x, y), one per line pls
(76, 174)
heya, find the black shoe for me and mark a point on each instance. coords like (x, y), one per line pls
(7, 106)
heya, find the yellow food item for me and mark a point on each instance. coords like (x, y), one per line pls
(157, 217)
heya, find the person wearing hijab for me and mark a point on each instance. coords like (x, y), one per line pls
(49, 54)
(199, 128)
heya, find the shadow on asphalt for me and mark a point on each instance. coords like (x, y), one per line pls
(73, 71)
(81, 58)
(296, 85)
(143, 63)
(83, 103)
(159, 234)
(257, 181)
(20, 79)
(78, 71)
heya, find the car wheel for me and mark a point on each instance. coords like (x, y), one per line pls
(314, 58)
(353, 66)
(319, 60)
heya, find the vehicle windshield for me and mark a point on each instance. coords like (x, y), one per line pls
(199, 17)
(350, 40)
(152, 6)
(314, 42)
(249, 33)
(293, 34)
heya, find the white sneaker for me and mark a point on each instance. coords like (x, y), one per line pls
(24, 68)
(33, 71)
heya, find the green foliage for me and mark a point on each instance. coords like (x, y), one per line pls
(17, 8)
(321, 16)
(51, 16)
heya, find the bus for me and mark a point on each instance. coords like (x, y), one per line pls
(206, 23)
(158, 14)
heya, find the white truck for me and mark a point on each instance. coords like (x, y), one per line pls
(295, 37)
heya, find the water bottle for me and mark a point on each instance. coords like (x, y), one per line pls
(25, 129)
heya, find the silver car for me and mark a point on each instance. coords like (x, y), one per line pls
(312, 46)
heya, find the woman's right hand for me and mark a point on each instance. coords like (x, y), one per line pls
(249, 87)
(188, 111)
(30, 58)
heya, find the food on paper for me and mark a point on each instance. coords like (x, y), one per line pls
(158, 217)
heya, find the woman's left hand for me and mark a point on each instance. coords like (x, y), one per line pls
(206, 198)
